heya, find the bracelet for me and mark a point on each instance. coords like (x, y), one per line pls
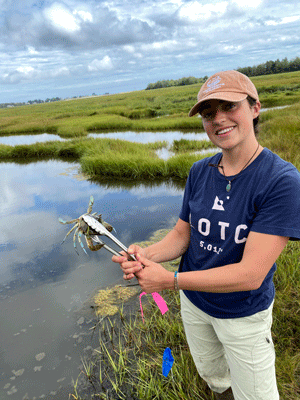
(176, 286)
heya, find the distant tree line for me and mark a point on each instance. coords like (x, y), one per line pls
(39, 101)
(175, 82)
(36, 101)
(267, 68)
(272, 67)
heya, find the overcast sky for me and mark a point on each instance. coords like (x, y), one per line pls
(79, 47)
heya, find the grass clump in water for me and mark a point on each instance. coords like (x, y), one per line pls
(106, 158)
(184, 145)
(117, 158)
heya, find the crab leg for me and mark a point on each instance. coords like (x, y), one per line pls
(80, 242)
(74, 240)
(69, 233)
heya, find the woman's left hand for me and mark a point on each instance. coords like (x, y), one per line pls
(153, 277)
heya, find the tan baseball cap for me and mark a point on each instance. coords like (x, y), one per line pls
(225, 85)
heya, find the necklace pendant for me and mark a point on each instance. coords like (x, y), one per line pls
(228, 187)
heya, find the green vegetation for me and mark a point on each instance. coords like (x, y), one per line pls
(137, 111)
(175, 82)
(272, 67)
(267, 68)
(149, 110)
(155, 110)
(184, 145)
(108, 158)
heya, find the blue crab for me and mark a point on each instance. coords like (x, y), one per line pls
(82, 227)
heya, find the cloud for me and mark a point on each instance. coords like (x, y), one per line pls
(84, 15)
(247, 3)
(28, 73)
(73, 27)
(32, 51)
(62, 19)
(134, 42)
(100, 65)
(169, 45)
(197, 12)
(282, 21)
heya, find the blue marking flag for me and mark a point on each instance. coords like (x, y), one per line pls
(167, 362)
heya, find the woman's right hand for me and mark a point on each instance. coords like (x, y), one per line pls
(130, 267)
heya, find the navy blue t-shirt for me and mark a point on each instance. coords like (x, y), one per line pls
(264, 198)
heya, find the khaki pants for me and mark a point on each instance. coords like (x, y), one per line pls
(236, 352)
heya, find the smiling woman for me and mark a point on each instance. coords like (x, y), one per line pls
(229, 237)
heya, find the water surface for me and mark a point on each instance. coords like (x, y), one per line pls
(150, 137)
(140, 137)
(14, 140)
(45, 287)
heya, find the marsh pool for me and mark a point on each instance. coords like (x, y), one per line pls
(45, 327)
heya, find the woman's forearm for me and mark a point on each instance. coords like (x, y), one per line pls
(230, 278)
(172, 246)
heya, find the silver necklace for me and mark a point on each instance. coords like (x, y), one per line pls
(228, 186)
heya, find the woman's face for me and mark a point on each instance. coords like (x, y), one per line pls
(228, 124)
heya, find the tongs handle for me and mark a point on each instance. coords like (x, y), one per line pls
(107, 247)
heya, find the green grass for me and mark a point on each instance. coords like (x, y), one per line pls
(184, 145)
(153, 110)
(280, 132)
(107, 158)
(118, 159)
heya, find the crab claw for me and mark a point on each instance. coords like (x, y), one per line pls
(90, 207)
(67, 222)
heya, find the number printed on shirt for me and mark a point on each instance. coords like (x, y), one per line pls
(210, 247)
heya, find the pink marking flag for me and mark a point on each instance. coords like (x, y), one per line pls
(158, 300)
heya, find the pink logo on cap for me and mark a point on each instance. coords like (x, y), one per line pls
(213, 84)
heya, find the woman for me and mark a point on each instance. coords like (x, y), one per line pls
(240, 208)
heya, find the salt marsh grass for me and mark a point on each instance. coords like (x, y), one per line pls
(184, 145)
(107, 158)
(280, 132)
(158, 109)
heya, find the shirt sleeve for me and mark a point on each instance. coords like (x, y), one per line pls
(278, 211)
(185, 209)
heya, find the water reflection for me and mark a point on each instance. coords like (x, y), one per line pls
(44, 285)
(141, 137)
(273, 108)
(151, 137)
(14, 140)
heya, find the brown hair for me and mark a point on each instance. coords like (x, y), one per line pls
(252, 103)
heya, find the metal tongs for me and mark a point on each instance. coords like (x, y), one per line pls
(102, 231)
